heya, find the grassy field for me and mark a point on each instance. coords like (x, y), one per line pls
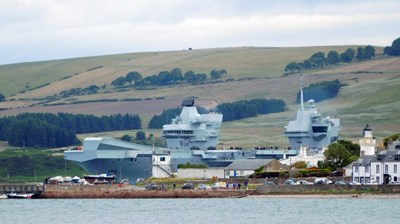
(370, 94)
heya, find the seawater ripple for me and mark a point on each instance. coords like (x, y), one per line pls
(239, 210)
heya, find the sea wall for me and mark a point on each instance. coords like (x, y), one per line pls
(118, 191)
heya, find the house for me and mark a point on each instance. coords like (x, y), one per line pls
(246, 167)
(372, 167)
(382, 168)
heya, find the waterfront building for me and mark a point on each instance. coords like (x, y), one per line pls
(372, 167)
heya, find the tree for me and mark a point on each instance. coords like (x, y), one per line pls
(292, 67)
(360, 53)
(348, 55)
(2, 97)
(318, 59)
(394, 49)
(133, 77)
(333, 58)
(119, 82)
(354, 149)
(176, 75)
(216, 74)
(369, 52)
(140, 135)
(189, 76)
(336, 156)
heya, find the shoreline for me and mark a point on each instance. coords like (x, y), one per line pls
(328, 196)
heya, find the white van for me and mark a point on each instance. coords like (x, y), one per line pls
(322, 180)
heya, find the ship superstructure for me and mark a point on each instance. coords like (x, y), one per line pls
(191, 130)
(310, 129)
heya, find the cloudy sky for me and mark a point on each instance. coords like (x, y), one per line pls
(35, 30)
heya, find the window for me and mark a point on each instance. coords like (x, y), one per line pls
(395, 168)
(386, 168)
(378, 180)
(162, 159)
(356, 169)
(367, 179)
(367, 169)
(377, 168)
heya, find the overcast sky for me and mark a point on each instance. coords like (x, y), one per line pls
(35, 30)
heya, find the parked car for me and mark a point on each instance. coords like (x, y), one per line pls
(341, 182)
(323, 180)
(219, 185)
(354, 183)
(151, 187)
(189, 186)
(304, 182)
(269, 183)
(290, 182)
(204, 187)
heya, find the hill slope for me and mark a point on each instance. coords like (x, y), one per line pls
(368, 97)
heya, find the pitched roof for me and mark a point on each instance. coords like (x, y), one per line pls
(248, 164)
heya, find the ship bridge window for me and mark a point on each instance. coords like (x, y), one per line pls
(179, 132)
(320, 129)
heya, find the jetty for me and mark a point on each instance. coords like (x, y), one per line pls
(130, 191)
(34, 189)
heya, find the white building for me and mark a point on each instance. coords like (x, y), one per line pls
(381, 168)
(309, 156)
(367, 143)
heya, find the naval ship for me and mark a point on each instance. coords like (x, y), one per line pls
(191, 138)
(310, 129)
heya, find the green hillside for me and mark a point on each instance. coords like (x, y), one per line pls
(369, 95)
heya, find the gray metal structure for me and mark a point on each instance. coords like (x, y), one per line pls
(310, 129)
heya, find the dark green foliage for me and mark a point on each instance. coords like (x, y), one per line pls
(2, 97)
(244, 109)
(292, 67)
(23, 165)
(338, 155)
(320, 91)
(365, 53)
(348, 55)
(50, 130)
(140, 135)
(333, 58)
(126, 138)
(216, 74)
(194, 166)
(157, 121)
(165, 78)
(354, 149)
(394, 50)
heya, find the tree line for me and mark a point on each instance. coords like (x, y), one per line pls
(318, 60)
(50, 130)
(320, 91)
(250, 108)
(174, 76)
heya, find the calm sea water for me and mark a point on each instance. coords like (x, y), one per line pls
(240, 210)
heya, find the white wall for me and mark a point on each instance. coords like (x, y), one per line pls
(208, 173)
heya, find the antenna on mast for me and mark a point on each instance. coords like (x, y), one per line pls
(301, 92)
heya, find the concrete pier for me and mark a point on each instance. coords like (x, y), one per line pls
(117, 191)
